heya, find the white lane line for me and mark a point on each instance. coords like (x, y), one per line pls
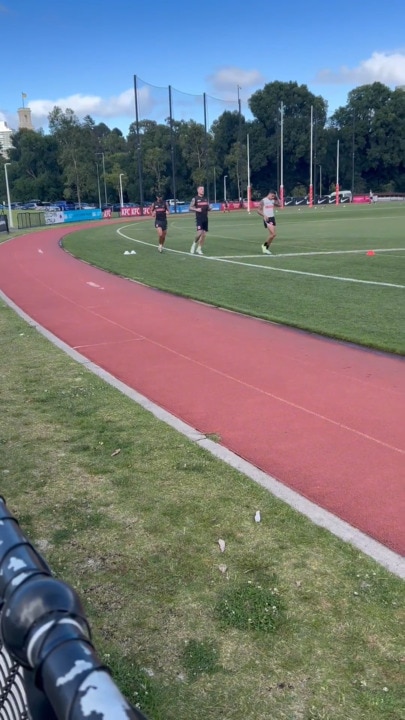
(269, 267)
(94, 285)
(389, 559)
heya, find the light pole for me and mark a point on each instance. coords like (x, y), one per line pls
(98, 187)
(121, 197)
(320, 181)
(225, 176)
(10, 214)
(282, 154)
(311, 160)
(105, 184)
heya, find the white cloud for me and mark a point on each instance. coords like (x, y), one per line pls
(226, 81)
(82, 105)
(385, 67)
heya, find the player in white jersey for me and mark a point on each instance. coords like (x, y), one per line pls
(266, 210)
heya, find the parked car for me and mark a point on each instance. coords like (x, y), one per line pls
(345, 196)
(64, 205)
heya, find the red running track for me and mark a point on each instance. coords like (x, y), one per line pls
(326, 419)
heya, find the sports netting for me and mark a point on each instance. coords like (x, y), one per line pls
(168, 106)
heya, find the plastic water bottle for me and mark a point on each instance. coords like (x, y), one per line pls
(257, 516)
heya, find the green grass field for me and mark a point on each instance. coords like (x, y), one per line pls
(319, 278)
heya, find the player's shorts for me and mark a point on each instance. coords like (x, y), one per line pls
(161, 224)
(269, 221)
(202, 225)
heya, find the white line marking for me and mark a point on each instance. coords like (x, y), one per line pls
(309, 274)
(312, 252)
(389, 559)
(269, 267)
(92, 284)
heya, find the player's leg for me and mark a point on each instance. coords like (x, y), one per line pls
(272, 230)
(204, 227)
(267, 243)
(162, 237)
(197, 239)
(201, 242)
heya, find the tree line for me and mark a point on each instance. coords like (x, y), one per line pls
(81, 161)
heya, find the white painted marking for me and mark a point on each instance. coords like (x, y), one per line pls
(276, 269)
(93, 284)
(100, 697)
(16, 563)
(78, 668)
(311, 252)
(389, 559)
(309, 274)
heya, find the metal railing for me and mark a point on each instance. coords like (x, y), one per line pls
(49, 669)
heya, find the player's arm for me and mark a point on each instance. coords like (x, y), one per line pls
(152, 210)
(277, 200)
(193, 206)
(167, 208)
(260, 209)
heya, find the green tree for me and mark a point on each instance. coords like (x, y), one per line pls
(371, 128)
(34, 170)
(71, 135)
(297, 101)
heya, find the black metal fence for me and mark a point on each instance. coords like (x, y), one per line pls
(49, 668)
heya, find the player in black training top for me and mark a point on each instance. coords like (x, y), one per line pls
(159, 211)
(201, 207)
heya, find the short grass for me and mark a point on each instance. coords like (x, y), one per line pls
(320, 277)
(287, 623)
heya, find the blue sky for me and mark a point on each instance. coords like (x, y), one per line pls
(84, 54)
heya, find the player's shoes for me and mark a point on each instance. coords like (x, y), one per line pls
(266, 251)
(160, 248)
(199, 251)
(192, 249)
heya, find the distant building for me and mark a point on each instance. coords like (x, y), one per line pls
(24, 119)
(5, 138)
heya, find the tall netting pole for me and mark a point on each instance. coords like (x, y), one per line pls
(249, 189)
(138, 146)
(238, 148)
(224, 117)
(172, 149)
(311, 160)
(282, 154)
(206, 164)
